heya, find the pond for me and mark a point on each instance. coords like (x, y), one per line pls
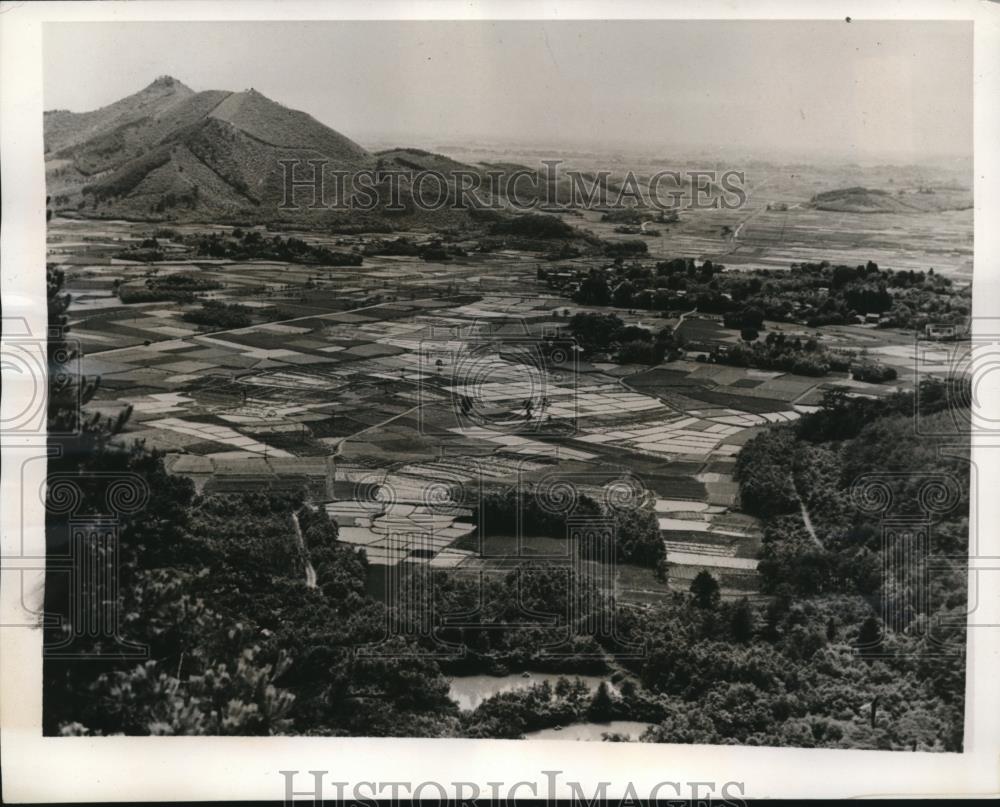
(468, 691)
(591, 732)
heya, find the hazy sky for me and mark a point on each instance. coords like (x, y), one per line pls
(863, 89)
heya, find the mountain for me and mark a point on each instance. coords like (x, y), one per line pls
(168, 152)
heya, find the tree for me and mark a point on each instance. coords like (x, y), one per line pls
(594, 289)
(873, 372)
(742, 622)
(595, 331)
(869, 641)
(622, 296)
(766, 488)
(637, 537)
(705, 590)
(641, 352)
(601, 706)
(753, 318)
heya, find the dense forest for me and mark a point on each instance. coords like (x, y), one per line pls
(213, 586)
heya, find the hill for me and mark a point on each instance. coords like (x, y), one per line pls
(170, 153)
(922, 199)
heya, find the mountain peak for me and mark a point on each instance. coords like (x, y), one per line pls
(168, 83)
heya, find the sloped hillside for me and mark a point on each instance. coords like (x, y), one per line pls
(280, 127)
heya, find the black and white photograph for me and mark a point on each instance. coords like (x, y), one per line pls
(590, 381)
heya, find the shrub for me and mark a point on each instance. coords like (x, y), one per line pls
(873, 372)
(220, 315)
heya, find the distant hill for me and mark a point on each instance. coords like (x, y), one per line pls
(169, 153)
(916, 200)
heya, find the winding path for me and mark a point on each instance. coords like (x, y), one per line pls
(806, 519)
(304, 553)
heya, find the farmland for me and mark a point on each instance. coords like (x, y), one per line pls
(396, 390)
(524, 428)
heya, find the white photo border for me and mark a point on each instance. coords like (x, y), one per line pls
(37, 768)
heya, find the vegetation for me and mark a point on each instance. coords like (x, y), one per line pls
(537, 512)
(873, 372)
(784, 673)
(790, 355)
(436, 250)
(138, 294)
(223, 316)
(820, 546)
(125, 179)
(253, 245)
(178, 287)
(812, 294)
(705, 590)
(595, 333)
(397, 246)
(534, 225)
(790, 683)
(214, 586)
(147, 251)
(552, 237)
(625, 246)
(627, 215)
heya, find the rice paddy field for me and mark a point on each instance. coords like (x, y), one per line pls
(394, 393)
